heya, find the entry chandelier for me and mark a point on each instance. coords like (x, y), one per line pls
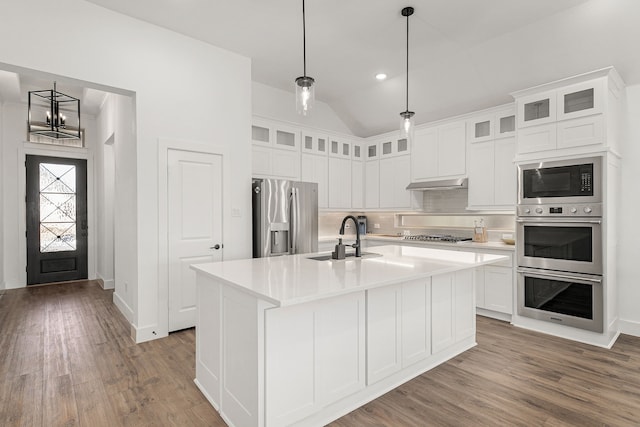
(406, 117)
(53, 114)
(305, 92)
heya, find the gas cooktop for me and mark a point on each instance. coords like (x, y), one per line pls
(437, 238)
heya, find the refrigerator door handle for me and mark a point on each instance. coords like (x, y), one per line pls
(293, 220)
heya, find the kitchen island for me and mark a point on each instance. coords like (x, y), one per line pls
(297, 341)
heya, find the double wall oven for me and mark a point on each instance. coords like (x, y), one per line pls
(559, 242)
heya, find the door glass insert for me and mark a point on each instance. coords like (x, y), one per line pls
(536, 110)
(321, 145)
(386, 147)
(285, 138)
(507, 124)
(372, 152)
(259, 133)
(57, 207)
(578, 101)
(356, 151)
(334, 147)
(483, 129)
(402, 145)
(308, 142)
(345, 149)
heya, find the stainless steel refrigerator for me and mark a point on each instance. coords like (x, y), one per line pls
(285, 217)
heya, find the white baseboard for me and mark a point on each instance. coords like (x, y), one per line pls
(629, 327)
(124, 308)
(146, 333)
(106, 283)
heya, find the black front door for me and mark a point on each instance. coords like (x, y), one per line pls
(56, 219)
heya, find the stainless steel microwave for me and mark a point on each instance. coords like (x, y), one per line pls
(560, 181)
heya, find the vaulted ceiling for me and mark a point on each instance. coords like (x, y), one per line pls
(465, 55)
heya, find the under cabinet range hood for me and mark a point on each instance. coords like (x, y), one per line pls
(442, 184)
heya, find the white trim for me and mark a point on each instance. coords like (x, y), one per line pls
(29, 148)
(164, 145)
(106, 283)
(629, 327)
(123, 307)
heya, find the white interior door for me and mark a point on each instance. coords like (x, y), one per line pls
(194, 227)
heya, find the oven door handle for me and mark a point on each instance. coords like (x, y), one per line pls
(558, 221)
(558, 276)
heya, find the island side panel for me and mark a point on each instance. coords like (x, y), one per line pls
(315, 355)
(208, 338)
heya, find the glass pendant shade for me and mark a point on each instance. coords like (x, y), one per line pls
(305, 94)
(407, 125)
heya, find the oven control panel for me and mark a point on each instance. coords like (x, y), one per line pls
(576, 210)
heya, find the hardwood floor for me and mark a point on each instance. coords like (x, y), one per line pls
(66, 359)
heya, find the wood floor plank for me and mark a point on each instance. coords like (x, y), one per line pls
(66, 358)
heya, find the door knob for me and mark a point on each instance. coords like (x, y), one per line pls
(216, 247)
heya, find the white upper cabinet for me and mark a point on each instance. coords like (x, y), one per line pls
(316, 169)
(490, 161)
(394, 178)
(392, 146)
(371, 150)
(372, 185)
(339, 147)
(439, 152)
(313, 143)
(339, 183)
(573, 116)
(424, 158)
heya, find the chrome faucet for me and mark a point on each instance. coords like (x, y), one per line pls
(356, 245)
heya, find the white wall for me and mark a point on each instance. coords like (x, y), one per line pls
(629, 230)
(278, 104)
(2, 244)
(184, 89)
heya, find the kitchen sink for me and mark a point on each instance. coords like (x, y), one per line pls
(327, 257)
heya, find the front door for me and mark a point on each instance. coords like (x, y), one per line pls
(194, 227)
(56, 219)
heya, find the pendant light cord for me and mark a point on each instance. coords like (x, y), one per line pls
(304, 42)
(407, 105)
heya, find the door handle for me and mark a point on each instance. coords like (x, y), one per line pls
(216, 246)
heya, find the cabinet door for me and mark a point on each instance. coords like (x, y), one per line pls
(339, 183)
(315, 169)
(394, 177)
(372, 151)
(261, 133)
(416, 321)
(384, 307)
(582, 99)
(286, 138)
(464, 305)
(480, 129)
(260, 161)
(424, 157)
(537, 138)
(285, 164)
(357, 184)
(580, 132)
(498, 289)
(442, 314)
(536, 109)
(506, 173)
(372, 184)
(505, 123)
(481, 174)
(314, 144)
(452, 149)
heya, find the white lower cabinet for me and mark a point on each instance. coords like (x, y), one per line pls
(324, 361)
(451, 297)
(494, 288)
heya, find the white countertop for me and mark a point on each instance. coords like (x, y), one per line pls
(295, 279)
(401, 241)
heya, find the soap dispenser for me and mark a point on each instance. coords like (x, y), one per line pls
(339, 252)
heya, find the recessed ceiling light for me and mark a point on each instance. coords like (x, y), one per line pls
(381, 76)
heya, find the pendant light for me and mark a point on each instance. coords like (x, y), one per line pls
(406, 117)
(305, 92)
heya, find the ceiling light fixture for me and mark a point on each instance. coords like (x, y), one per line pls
(53, 114)
(305, 92)
(406, 121)
(381, 76)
